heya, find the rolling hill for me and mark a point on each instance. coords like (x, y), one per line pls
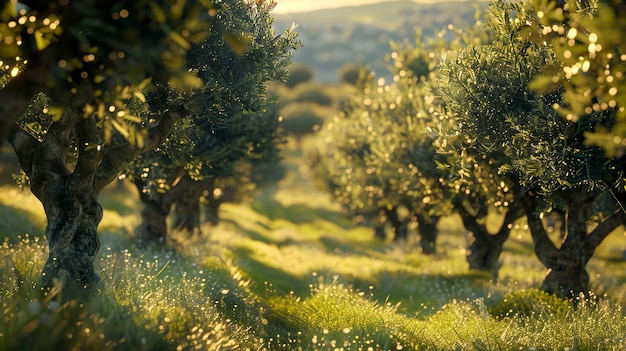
(361, 34)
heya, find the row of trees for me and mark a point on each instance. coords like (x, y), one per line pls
(501, 119)
(169, 93)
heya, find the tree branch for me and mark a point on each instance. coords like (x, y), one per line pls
(545, 249)
(514, 212)
(116, 159)
(24, 146)
(469, 219)
(606, 227)
(158, 133)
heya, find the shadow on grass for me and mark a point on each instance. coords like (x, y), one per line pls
(298, 213)
(415, 293)
(343, 247)
(252, 234)
(268, 279)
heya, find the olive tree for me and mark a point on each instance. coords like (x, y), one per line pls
(477, 189)
(91, 62)
(471, 186)
(94, 54)
(228, 126)
(378, 155)
(487, 89)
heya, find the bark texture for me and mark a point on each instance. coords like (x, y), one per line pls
(484, 247)
(567, 274)
(69, 192)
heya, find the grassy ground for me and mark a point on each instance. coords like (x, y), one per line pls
(289, 272)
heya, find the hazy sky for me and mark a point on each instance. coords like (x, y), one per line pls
(285, 6)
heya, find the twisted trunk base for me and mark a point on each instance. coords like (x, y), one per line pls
(566, 265)
(68, 192)
(73, 244)
(72, 232)
(484, 248)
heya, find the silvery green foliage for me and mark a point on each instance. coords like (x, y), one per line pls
(229, 123)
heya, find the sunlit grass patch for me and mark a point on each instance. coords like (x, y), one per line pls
(527, 303)
(291, 273)
(148, 299)
(188, 303)
(20, 212)
(21, 264)
(335, 317)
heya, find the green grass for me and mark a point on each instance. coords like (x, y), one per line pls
(289, 272)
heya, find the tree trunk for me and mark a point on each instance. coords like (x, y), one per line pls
(567, 275)
(213, 210)
(69, 201)
(400, 227)
(187, 205)
(153, 227)
(484, 248)
(213, 203)
(427, 229)
(156, 209)
(183, 196)
(72, 234)
(379, 232)
(187, 220)
(69, 195)
(377, 222)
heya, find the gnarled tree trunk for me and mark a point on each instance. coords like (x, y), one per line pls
(183, 197)
(69, 200)
(484, 248)
(187, 206)
(157, 207)
(69, 194)
(72, 234)
(214, 200)
(567, 275)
